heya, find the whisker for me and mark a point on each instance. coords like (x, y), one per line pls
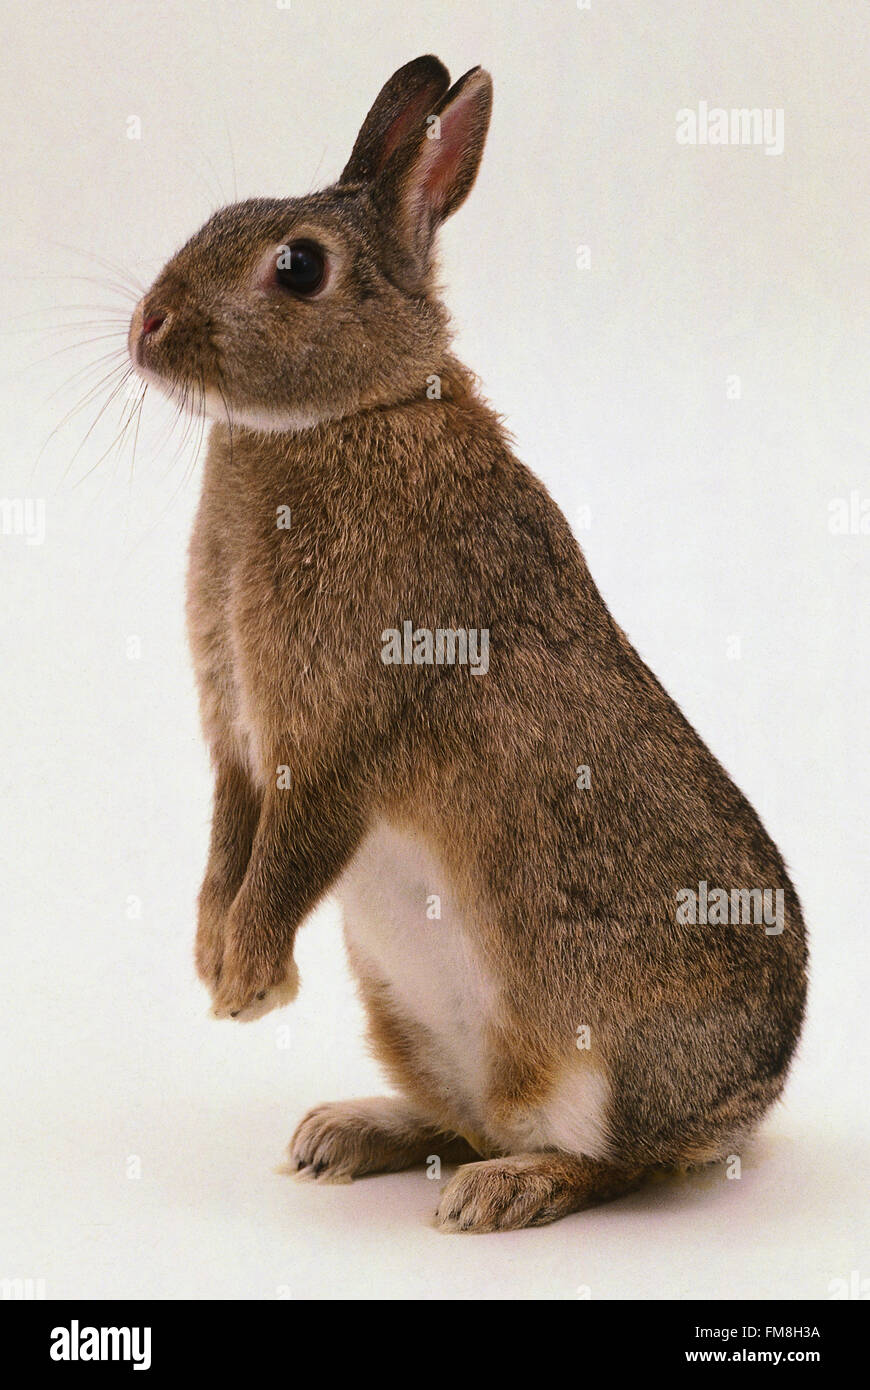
(101, 412)
(126, 275)
(216, 199)
(80, 405)
(318, 166)
(226, 411)
(118, 321)
(69, 347)
(189, 467)
(140, 402)
(102, 284)
(126, 417)
(116, 353)
(74, 411)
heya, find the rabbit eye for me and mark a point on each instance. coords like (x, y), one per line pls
(300, 267)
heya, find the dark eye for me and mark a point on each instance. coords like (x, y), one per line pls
(300, 267)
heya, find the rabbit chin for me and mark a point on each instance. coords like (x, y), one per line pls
(261, 419)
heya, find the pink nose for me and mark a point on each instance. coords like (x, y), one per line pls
(152, 323)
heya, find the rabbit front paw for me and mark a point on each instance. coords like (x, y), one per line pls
(251, 981)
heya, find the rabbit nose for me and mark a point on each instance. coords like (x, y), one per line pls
(152, 323)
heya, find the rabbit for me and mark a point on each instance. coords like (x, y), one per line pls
(416, 699)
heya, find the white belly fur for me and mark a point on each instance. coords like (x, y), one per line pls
(428, 962)
(437, 978)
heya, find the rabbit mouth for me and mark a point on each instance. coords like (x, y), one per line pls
(175, 388)
(201, 390)
(213, 402)
(170, 352)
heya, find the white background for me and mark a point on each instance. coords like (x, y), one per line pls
(709, 521)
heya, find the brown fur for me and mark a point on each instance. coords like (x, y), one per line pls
(409, 507)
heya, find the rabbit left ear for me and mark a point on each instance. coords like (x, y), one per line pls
(431, 173)
(399, 110)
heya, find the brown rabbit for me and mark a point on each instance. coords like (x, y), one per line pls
(557, 905)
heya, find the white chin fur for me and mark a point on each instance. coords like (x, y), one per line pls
(261, 419)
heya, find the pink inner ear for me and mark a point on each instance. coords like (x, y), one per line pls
(444, 156)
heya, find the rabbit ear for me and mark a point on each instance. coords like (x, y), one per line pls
(401, 105)
(431, 173)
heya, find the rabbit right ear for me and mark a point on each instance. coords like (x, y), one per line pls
(402, 104)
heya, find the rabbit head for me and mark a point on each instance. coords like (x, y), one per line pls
(281, 312)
